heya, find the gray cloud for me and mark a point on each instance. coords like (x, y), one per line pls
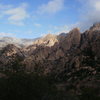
(90, 13)
(3, 34)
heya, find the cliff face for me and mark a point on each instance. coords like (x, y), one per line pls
(70, 57)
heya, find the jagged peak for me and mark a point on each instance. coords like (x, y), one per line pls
(49, 36)
(75, 30)
(95, 27)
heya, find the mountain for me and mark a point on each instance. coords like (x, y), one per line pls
(53, 47)
(72, 58)
(48, 40)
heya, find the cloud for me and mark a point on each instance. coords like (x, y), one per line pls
(62, 29)
(18, 23)
(58, 29)
(97, 5)
(29, 32)
(90, 13)
(37, 25)
(52, 7)
(16, 15)
(3, 8)
(3, 34)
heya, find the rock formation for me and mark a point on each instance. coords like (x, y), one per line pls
(73, 57)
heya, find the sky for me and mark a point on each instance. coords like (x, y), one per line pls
(36, 18)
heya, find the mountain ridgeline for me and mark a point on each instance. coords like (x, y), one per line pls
(69, 60)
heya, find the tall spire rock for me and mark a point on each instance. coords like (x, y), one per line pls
(72, 39)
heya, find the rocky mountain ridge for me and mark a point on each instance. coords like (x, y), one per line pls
(47, 40)
(73, 58)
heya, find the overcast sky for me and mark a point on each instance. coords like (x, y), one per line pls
(35, 18)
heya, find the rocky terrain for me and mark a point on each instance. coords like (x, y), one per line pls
(72, 58)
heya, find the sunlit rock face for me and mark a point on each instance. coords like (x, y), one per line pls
(48, 40)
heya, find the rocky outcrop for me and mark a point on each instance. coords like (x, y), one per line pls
(48, 40)
(10, 56)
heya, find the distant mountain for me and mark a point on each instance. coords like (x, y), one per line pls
(18, 42)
